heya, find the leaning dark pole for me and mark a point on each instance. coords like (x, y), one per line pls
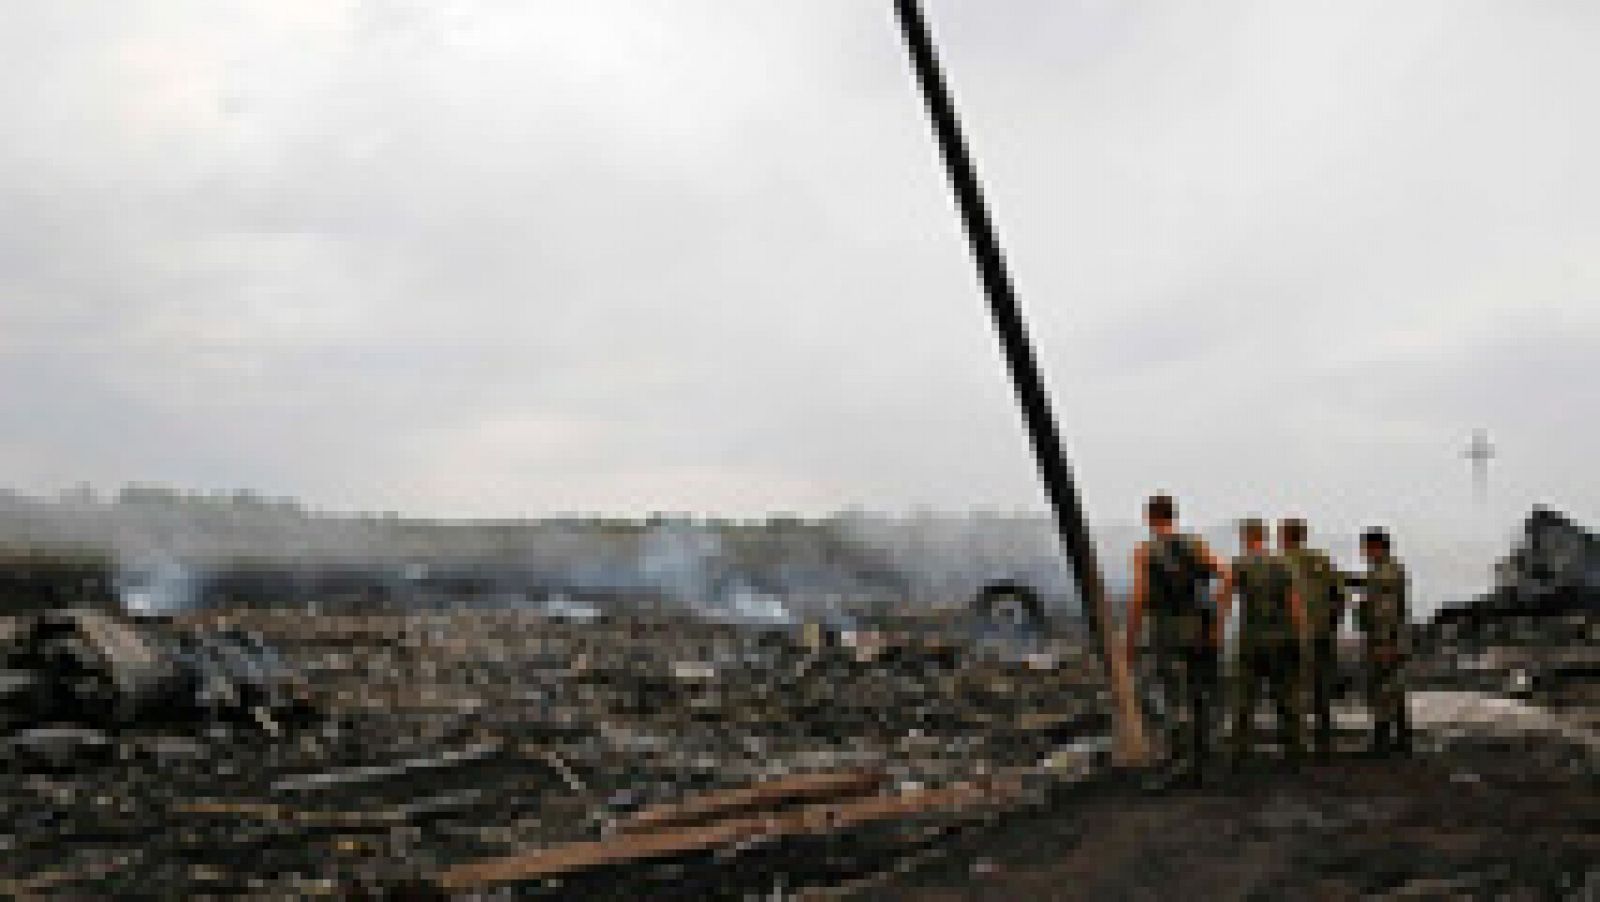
(1054, 469)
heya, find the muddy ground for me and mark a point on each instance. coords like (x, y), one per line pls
(1492, 821)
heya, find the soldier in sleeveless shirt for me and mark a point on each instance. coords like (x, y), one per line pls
(1271, 621)
(1170, 574)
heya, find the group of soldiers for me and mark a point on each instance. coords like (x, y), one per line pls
(1289, 602)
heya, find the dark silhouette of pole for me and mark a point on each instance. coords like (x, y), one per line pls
(1054, 469)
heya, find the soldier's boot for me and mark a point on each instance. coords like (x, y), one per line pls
(1322, 744)
(1241, 743)
(1322, 714)
(1382, 739)
(1202, 737)
(1294, 751)
(1294, 747)
(1401, 745)
(1379, 742)
(1185, 774)
(1391, 741)
(1177, 769)
(1402, 729)
(1322, 735)
(1238, 749)
(1290, 731)
(1321, 728)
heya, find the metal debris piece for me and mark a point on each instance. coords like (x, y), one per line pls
(58, 748)
(373, 773)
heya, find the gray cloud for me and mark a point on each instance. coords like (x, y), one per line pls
(508, 258)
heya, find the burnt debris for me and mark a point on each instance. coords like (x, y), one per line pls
(658, 753)
(484, 748)
(86, 666)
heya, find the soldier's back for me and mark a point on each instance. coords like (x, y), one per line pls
(1177, 574)
(1317, 582)
(1384, 609)
(1263, 581)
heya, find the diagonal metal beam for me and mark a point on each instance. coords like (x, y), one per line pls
(1034, 400)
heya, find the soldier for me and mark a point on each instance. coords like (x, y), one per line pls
(1321, 589)
(1383, 619)
(1170, 573)
(1271, 620)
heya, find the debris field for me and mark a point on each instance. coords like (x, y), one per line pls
(490, 752)
(494, 748)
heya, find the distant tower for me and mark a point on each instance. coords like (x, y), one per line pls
(1480, 452)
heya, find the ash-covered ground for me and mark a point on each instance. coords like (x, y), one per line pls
(492, 752)
(451, 738)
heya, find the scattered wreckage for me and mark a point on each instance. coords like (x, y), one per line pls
(1536, 634)
(94, 668)
(475, 750)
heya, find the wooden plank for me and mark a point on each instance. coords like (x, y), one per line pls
(771, 794)
(634, 847)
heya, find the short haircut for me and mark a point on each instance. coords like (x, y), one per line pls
(1293, 530)
(1161, 508)
(1377, 537)
(1253, 528)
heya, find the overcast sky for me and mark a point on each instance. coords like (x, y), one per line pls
(509, 258)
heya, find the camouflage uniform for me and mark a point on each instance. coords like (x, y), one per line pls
(1269, 650)
(1321, 589)
(1181, 623)
(1382, 617)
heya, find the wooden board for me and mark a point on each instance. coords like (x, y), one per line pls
(634, 847)
(766, 796)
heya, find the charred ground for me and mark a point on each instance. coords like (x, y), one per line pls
(671, 757)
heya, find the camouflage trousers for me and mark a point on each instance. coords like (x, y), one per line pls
(1319, 673)
(1277, 668)
(1386, 696)
(1187, 677)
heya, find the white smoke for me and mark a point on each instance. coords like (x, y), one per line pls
(834, 570)
(156, 584)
